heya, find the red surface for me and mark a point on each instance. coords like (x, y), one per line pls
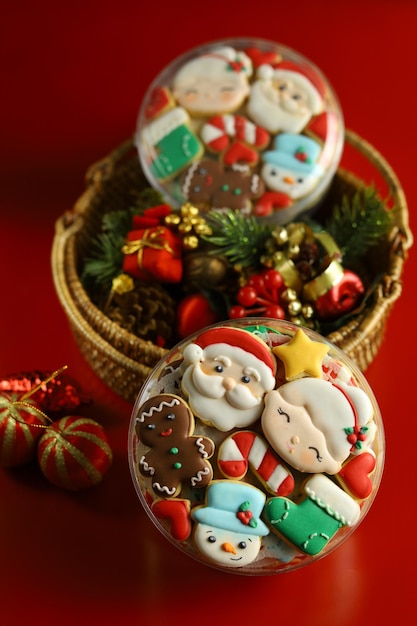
(73, 77)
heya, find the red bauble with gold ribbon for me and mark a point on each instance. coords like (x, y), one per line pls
(74, 453)
(21, 425)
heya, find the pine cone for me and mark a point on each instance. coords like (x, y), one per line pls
(148, 311)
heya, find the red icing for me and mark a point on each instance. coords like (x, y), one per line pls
(355, 474)
(159, 101)
(244, 516)
(177, 512)
(259, 57)
(318, 126)
(239, 151)
(233, 469)
(270, 201)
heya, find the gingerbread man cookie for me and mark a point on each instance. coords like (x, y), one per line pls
(211, 186)
(165, 424)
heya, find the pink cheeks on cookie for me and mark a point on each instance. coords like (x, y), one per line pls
(311, 416)
(293, 436)
(216, 82)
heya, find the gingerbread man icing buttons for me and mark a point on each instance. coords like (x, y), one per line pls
(164, 424)
(264, 116)
(256, 446)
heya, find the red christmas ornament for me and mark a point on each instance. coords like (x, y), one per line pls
(74, 453)
(21, 425)
(193, 313)
(59, 394)
(335, 292)
(260, 296)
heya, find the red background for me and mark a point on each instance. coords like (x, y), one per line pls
(73, 75)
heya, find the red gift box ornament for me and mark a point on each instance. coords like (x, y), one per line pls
(153, 254)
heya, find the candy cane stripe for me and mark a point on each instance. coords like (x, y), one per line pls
(218, 130)
(247, 449)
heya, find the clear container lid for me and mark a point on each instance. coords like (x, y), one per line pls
(243, 124)
(256, 447)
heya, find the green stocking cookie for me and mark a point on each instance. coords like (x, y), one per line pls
(311, 524)
(173, 143)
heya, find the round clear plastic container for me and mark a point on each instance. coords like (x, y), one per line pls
(256, 447)
(244, 124)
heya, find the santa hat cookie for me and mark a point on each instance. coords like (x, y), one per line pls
(253, 350)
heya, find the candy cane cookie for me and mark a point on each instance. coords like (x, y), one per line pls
(246, 449)
(218, 131)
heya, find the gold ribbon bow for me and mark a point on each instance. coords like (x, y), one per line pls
(150, 239)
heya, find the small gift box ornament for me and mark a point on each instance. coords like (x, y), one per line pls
(153, 254)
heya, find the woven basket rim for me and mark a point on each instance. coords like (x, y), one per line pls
(348, 338)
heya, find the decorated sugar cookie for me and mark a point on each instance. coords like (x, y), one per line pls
(310, 524)
(284, 98)
(229, 527)
(211, 186)
(292, 167)
(227, 375)
(215, 82)
(171, 144)
(315, 425)
(246, 449)
(164, 424)
(265, 454)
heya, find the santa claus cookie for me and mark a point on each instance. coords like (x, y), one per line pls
(269, 453)
(249, 106)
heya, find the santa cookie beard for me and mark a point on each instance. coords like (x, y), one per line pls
(268, 110)
(222, 400)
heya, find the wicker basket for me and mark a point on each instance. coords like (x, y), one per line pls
(121, 359)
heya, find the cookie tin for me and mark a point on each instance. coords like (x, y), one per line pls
(256, 447)
(243, 124)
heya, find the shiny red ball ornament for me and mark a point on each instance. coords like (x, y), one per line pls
(21, 425)
(341, 298)
(54, 394)
(74, 453)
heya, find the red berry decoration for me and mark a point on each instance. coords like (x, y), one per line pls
(74, 453)
(21, 425)
(260, 296)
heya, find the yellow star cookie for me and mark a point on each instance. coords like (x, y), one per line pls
(301, 355)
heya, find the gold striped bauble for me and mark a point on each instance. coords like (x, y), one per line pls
(74, 453)
(21, 425)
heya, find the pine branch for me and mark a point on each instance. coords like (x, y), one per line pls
(239, 238)
(359, 223)
(106, 259)
(121, 221)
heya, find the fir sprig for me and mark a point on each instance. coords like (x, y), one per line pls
(106, 259)
(359, 223)
(239, 238)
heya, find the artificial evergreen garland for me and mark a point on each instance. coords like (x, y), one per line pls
(241, 249)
